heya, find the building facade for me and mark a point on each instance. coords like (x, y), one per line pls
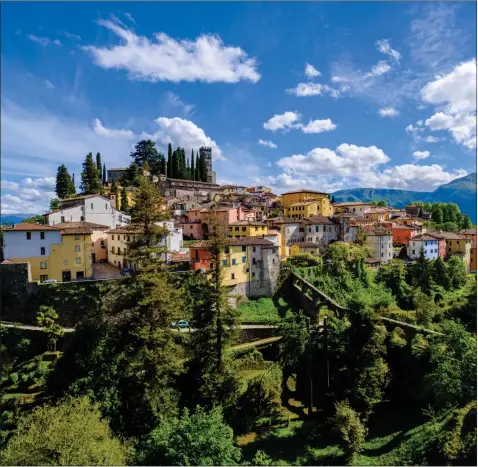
(402, 234)
(381, 243)
(247, 229)
(90, 208)
(357, 209)
(305, 203)
(115, 175)
(321, 231)
(424, 242)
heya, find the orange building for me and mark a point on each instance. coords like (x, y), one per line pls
(404, 233)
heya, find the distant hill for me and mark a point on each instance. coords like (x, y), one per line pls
(14, 218)
(461, 191)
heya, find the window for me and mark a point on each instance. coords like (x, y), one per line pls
(253, 249)
(458, 242)
(127, 238)
(254, 261)
(191, 227)
(232, 276)
(113, 249)
(43, 277)
(253, 274)
(62, 218)
(92, 206)
(42, 235)
(65, 262)
(226, 250)
(243, 259)
(244, 248)
(244, 229)
(247, 270)
(224, 262)
(78, 260)
(316, 228)
(413, 252)
(77, 248)
(29, 235)
(82, 218)
(77, 236)
(233, 261)
(42, 251)
(119, 250)
(106, 206)
(42, 265)
(124, 237)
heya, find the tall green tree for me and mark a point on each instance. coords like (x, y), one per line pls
(99, 166)
(124, 200)
(421, 273)
(193, 170)
(456, 271)
(145, 152)
(437, 213)
(198, 170)
(466, 223)
(104, 177)
(115, 191)
(64, 185)
(90, 181)
(163, 166)
(133, 175)
(70, 433)
(170, 161)
(73, 184)
(440, 274)
(54, 203)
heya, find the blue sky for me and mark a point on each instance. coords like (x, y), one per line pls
(291, 95)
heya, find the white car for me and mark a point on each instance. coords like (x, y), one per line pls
(50, 281)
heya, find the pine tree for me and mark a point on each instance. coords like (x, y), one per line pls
(89, 177)
(193, 170)
(72, 186)
(145, 152)
(170, 161)
(104, 175)
(63, 182)
(198, 170)
(466, 223)
(333, 200)
(124, 200)
(99, 166)
(440, 274)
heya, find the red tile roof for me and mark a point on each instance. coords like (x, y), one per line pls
(26, 226)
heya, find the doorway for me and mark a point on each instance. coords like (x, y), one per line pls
(80, 275)
(93, 258)
(66, 276)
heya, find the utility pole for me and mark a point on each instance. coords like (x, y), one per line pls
(311, 398)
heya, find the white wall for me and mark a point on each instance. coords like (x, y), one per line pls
(430, 249)
(96, 209)
(382, 247)
(325, 234)
(16, 244)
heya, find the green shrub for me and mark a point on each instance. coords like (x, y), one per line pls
(397, 338)
(14, 378)
(261, 458)
(24, 377)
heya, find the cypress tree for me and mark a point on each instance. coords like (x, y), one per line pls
(193, 170)
(162, 170)
(174, 165)
(170, 161)
(89, 177)
(124, 200)
(198, 171)
(99, 165)
(73, 186)
(63, 182)
(188, 170)
(104, 174)
(203, 168)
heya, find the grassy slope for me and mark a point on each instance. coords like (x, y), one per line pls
(264, 309)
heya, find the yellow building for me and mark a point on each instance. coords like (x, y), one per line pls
(304, 247)
(456, 245)
(305, 203)
(250, 264)
(53, 253)
(378, 214)
(118, 240)
(247, 229)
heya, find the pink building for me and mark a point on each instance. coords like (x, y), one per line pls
(441, 243)
(199, 220)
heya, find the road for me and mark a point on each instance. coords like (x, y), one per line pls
(30, 327)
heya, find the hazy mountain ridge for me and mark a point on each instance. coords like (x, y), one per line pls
(461, 191)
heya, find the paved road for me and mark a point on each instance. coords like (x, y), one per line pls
(30, 327)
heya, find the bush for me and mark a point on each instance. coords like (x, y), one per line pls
(251, 359)
(14, 378)
(351, 430)
(261, 458)
(397, 338)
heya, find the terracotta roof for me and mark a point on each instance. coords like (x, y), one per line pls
(352, 203)
(446, 235)
(247, 223)
(126, 229)
(467, 232)
(79, 198)
(405, 227)
(425, 237)
(318, 219)
(73, 225)
(307, 245)
(26, 226)
(378, 232)
(305, 191)
(236, 241)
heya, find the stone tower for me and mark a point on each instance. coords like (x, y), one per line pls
(211, 175)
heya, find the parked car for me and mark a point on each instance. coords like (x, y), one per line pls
(126, 271)
(180, 324)
(50, 281)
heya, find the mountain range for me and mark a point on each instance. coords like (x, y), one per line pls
(461, 191)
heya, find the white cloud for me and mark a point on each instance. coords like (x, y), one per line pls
(318, 126)
(111, 133)
(378, 69)
(69, 35)
(31, 195)
(186, 134)
(454, 97)
(385, 47)
(352, 166)
(284, 121)
(172, 102)
(269, 144)
(130, 17)
(388, 112)
(284, 181)
(312, 89)
(43, 41)
(49, 85)
(56, 42)
(432, 139)
(206, 59)
(311, 72)
(421, 154)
